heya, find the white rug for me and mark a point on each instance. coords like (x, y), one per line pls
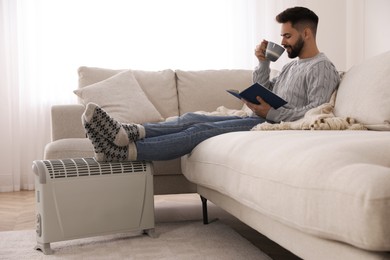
(179, 240)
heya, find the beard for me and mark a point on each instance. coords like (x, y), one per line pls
(295, 50)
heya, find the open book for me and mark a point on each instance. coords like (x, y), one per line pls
(255, 90)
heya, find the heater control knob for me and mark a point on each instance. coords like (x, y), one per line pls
(39, 225)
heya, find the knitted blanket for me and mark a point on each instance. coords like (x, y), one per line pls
(318, 118)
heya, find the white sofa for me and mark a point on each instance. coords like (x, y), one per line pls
(320, 194)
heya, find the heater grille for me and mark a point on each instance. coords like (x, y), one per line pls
(68, 168)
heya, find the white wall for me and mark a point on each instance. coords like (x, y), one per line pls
(376, 30)
(351, 31)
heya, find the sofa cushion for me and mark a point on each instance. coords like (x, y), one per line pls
(205, 90)
(69, 148)
(364, 93)
(332, 184)
(122, 98)
(159, 86)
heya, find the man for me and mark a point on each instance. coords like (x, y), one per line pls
(313, 75)
(305, 83)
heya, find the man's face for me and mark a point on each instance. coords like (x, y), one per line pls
(292, 40)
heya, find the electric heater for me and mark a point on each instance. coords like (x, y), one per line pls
(78, 198)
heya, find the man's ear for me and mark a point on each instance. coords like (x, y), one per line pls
(307, 33)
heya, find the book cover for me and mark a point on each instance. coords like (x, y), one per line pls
(255, 90)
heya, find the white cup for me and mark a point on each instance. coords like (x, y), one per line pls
(273, 51)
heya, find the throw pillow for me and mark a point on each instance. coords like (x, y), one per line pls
(122, 98)
(364, 93)
(158, 86)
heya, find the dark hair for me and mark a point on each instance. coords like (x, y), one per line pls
(299, 17)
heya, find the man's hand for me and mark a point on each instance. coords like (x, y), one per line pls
(260, 50)
(260, 110)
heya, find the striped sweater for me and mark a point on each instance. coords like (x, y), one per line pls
(304, 83)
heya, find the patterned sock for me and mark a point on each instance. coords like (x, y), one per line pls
(97, 141)
(134, 132)
(106, 126)
(114, 153)
(106, 151)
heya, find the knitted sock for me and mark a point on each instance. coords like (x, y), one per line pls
(97, 141)
(106, 126)
(114, 153)
(104, 150)
(134, 132)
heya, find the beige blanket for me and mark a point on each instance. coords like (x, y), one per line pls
(318, 118)
(223, 111)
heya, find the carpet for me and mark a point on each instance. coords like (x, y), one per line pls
(178, 240)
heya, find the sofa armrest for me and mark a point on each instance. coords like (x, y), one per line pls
(66, 121)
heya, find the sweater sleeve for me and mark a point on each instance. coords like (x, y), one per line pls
(261, 75)
(316, 87)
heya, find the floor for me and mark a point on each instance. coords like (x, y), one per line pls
(17, 212)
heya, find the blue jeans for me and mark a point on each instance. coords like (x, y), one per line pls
(173, 139)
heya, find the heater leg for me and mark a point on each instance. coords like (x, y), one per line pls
(44, 247)
(150, 232)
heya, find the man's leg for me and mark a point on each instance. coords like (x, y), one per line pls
(166, 147)
(181, 123)
(165, 140)
(96, 120)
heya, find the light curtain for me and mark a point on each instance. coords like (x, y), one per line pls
(43, 42)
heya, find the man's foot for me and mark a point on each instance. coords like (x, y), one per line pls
(106, 151)
(107, 127)
(133, 132)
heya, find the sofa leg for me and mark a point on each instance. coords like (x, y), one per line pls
(204, 208)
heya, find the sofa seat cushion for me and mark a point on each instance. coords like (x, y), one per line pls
(332, 184)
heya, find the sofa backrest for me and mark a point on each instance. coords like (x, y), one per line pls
(177, 92)
(205, 90)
